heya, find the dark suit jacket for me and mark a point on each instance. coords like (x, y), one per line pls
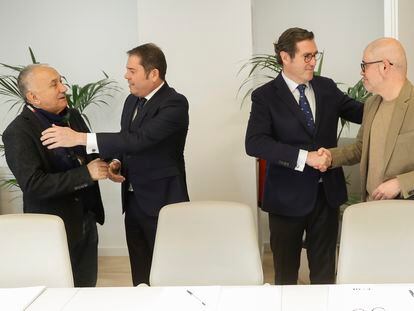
(151, 149)
(277, 130)
(45, 189)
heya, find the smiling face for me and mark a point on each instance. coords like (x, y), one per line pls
(46, 90)
(296, 68)
(140, 82)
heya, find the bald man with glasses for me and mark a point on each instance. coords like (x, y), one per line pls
(292, 116)
(385, 141)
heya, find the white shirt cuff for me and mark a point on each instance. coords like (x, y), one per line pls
(91, 143)
(300, 163)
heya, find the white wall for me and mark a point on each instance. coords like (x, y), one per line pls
(80, 38)
(342, 30)
(204, 43)
(204, 50)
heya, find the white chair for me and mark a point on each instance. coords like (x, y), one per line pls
(377, 243)
(34, 251)
(206, 243)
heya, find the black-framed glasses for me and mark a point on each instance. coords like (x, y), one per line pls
(308, 57)
(364, 64)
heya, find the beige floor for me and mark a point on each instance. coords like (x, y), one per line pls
(115, 271)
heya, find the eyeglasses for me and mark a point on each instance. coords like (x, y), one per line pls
(308, 57)
(364, 64)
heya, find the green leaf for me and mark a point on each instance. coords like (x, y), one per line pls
(32, 56)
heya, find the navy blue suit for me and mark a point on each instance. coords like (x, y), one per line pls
(151, 149)
(277, 130)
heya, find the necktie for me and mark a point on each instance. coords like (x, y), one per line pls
(140, 104)
(304, 106)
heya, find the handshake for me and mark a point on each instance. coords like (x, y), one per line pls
(320, 160)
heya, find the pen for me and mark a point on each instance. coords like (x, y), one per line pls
(191, 293)
(411, 292)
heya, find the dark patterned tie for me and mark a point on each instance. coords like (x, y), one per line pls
(140, 104)
(304, 106)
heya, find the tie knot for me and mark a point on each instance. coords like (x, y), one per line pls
(141, 101)
(301, 88)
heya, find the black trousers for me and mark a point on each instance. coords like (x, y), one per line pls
(286, 241)
(84, 254)
(140, 230)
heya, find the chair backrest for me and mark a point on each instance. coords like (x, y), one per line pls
(34, 251)
(206, 243)
(377, 243)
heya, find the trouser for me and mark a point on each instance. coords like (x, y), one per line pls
(84, 254)
(140, 230)
(286, 241)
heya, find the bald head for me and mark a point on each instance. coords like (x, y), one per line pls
(391, 50)
(26, 76)
(42, 86)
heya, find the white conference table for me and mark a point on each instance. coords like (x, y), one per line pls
(397, 297)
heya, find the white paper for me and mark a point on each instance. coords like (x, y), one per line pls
(250, 298)
(368, 297)
(188, 298)
(18, 299)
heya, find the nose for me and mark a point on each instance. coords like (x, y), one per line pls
(126, 76)
(63, 88)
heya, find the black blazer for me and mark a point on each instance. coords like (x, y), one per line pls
(45, 189)
(151, 149)
(277, 130)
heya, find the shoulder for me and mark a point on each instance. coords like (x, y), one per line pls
(323, 81)
(267, 88)
(19, 124)
(168, 94)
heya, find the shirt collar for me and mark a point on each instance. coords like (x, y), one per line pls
(292, 85)
(148, 97)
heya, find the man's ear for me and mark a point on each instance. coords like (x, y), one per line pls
(285, 57)
(32, 98)
(154, 74)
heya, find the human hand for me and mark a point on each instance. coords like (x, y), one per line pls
(319, 160)
(58, 136)
(98, 169)
(114, 171)
(387, 190)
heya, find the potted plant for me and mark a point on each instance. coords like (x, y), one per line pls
(78, 97)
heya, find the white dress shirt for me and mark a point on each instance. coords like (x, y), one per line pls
(310, 95)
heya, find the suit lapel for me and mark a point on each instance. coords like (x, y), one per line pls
(34, 122)
(397, 119)
(151, 105)
(128, 111)
(282, 90)
(318, 105)
(369, 115)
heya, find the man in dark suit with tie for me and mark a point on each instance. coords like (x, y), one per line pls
(291, 117)
(62, 181)
(150, 146)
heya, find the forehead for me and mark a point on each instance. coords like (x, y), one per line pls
(306, 46)
(43, 76)
(133, 62)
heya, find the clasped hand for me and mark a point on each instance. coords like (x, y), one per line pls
(320, 160)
